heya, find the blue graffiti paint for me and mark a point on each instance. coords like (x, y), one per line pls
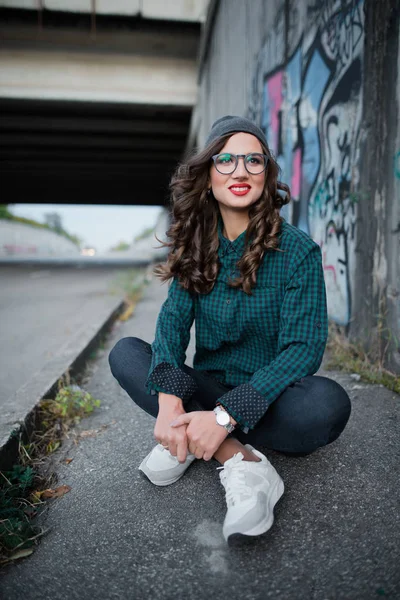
(315, 80)
(293, 73)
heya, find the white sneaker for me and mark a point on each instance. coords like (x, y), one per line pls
(162, 468)
(252, 489)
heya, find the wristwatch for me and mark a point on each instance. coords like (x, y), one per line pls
(223, 418)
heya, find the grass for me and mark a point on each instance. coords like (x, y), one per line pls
(23, 489)
(352, 358)
(130, 284)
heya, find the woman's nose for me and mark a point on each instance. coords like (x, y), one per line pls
(240, 170)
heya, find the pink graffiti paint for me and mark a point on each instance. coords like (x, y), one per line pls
(275, 103)
(329, 268)
(296, 174)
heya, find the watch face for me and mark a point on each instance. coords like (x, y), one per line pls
(223, 418)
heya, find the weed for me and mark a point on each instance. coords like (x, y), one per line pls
(21, 489)
(352, 358)
(130, 283)
(55, 417)
(18, 505)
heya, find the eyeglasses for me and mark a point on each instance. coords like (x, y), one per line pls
(227, 163)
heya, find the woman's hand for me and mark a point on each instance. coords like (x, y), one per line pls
(203, 432)
(175, 439)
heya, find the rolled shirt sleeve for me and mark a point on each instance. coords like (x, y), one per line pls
(169, 347)
(303, 331)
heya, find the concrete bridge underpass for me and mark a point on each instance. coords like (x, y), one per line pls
(94, 109)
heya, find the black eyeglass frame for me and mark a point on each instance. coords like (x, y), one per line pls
(237, 156)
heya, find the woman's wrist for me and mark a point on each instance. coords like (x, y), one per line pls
(232, 420)
(169, 401)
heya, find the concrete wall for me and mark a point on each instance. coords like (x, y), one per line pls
(321, 79)
(26, 240)
(149, 248)
(376, 306)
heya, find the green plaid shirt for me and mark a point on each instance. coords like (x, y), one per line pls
(259, 344)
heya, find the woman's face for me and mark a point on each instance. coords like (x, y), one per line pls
(240, 189)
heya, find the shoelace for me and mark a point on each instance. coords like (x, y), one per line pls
(164, 449)
(233, 480)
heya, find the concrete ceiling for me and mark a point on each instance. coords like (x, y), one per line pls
(89, 153)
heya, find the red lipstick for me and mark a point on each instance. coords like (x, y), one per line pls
(240, 189)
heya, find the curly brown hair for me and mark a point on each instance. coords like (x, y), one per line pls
(193, 233)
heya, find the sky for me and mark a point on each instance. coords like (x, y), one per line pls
(98, 226)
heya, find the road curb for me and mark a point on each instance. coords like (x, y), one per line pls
(19, 410)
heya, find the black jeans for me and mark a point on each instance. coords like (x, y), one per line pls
(309, 414)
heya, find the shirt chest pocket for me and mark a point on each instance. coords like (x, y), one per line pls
(218, 306)
(260, 312)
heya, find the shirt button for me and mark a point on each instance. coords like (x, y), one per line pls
(228, 300)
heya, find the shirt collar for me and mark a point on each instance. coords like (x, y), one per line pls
(227, 247)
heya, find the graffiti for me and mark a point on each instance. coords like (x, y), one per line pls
(16, 249)
(310, 111)
(340, 23)
(397, 175)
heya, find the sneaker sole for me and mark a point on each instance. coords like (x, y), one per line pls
(161, 483)
(264, 525)
(149, 474)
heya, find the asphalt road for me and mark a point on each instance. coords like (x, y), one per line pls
(41, 308)
(115, 536)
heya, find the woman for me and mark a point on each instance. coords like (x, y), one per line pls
(254, 286)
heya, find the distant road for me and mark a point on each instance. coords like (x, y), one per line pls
(40, 308)
(118, 259)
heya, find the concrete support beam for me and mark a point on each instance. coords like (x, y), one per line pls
(180, 10)
(97, 78)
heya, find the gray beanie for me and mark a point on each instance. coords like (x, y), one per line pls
(231, 124)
